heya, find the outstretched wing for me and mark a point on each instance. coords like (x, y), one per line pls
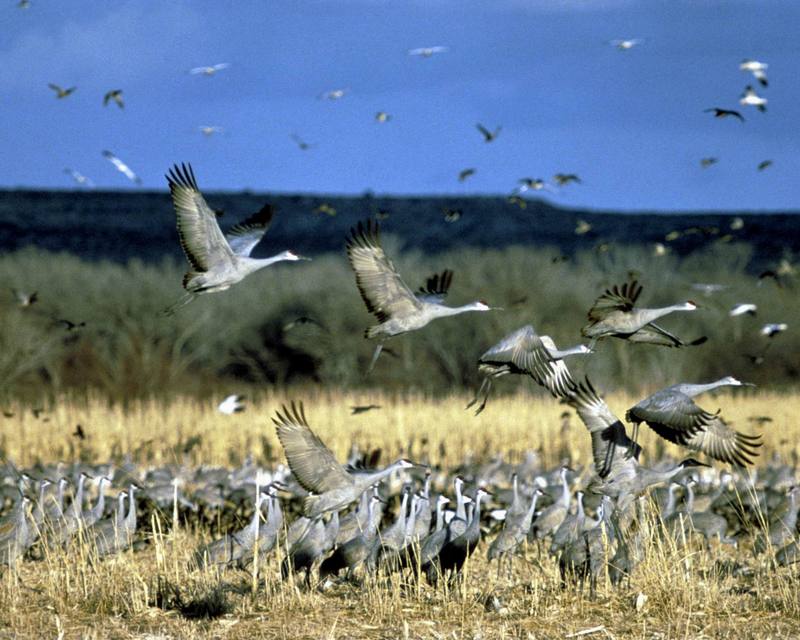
(484, 131)
(311, 462)
(717, 440)
(618, 298)
(673, 409)
(436, 287)
(244, 236)
(613, 451)
(200, 235)
(381, 287)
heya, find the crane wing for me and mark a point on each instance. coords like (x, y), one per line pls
(613, 451)
(436, 287)
(618, 298)
(200, 235)
(310, 460)
(717, 440)
(244, 236)
(673, 409)
(381, 287)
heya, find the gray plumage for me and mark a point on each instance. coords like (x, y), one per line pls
(309, 550)
(354, 552)
(230, 549)
(217, 262)
(673, 415)
(314, 466)
(16, 534)
(614, 314)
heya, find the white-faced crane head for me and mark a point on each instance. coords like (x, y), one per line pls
(458, 482)
(689, 305)
(734, 382)
(442, 500)
(481, 305)
(402, 463)
(481, 493)
(292, 256)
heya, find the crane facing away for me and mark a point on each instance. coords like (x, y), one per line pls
(615, 314)
(217, 262)
(386, 296)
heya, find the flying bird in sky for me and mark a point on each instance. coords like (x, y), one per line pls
(210, 70)
(724, 113)
(61, 92)
(758, 69)
(764, 164)
(209, 130)
(426, 52)
(122, 167)
(464, 174)
(488, 136)
(708, 162)
(301, 144)
(382, 116)
(333, 94)
(534, 184)
(116, 96)
(751, 99)
(79, 178)
(563, 179)
(626, 45)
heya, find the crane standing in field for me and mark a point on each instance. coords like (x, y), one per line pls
(217, 261)
(396, 307)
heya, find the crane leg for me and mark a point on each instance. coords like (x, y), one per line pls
(185, 299)
(378, 349)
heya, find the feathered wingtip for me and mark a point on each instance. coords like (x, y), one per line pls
(364, 234)
(293, 414)
(181, 176)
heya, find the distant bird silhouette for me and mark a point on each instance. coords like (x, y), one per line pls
(751, 99)
(217, 262)
(79, 433)
(231, 404)
(534, 184)
(116, 96)
(209, 130)
(25, 299)
(563, 179)
(209, 70)
(465, 173)
(325, 208)
(452, 215)
(301, 144)
(764, 164)
(333, 94)
(69, 325)
(626, 45)
(385, 295)
(60, 92)
(122, 167)
(743, 308)
(705, 163)
(724, 113)
(354, 411)
(426, 52)
(517, 201)
(582, 228)
(79, 178)
(488, 136)
(382, 116)
(773, 329)
(758, 69)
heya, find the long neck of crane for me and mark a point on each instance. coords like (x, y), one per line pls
(689, 499)
(558, 354)
(565, 494)
(461, 511)
(377, 476)
(130, 520)
(101, 501)
(693, 390)
(372, 522)
(256, 518)
(77, 501)
(648, 315)
(439, 516)
(531, 510)
(412, 518)
(441, 311)
(580, 516)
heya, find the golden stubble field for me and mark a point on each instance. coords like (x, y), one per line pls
(67, 595)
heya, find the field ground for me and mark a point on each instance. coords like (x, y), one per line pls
(686, 592)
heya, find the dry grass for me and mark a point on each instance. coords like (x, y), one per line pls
(133, 596)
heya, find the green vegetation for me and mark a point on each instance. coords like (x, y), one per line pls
(245, 340)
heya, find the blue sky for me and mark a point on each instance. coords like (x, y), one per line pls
(631, 123)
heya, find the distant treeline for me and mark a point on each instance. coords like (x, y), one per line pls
(120, 226)
(97, 325)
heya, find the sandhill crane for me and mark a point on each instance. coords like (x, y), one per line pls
(116, 96)
(229, 549)
(514, 355)
(758, 69)
(514, 533)
(218, 262)
(357, 548)
(209, 70)
(316, 469)
(317, 540)
(396, 307)
(721, 113)
(625, 44)
(15, 535)
(549, 519)
(427, 52)
(782, 529)
(615, 314)
(120, 166)
(673, 414)
(743, 308)
(60, 91)
(488, 136)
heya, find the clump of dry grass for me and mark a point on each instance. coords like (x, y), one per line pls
(687, 591)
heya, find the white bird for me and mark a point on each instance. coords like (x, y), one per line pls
(535, 184)
(232, 404)
(209, 130)
(210, 70)
(333, 94)
(122, 167)
(79, 178)
(426, 52)
(742, 308)
(751, 99)
(626, 45)
(758, 69)
(217, 262)
(773, 329)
